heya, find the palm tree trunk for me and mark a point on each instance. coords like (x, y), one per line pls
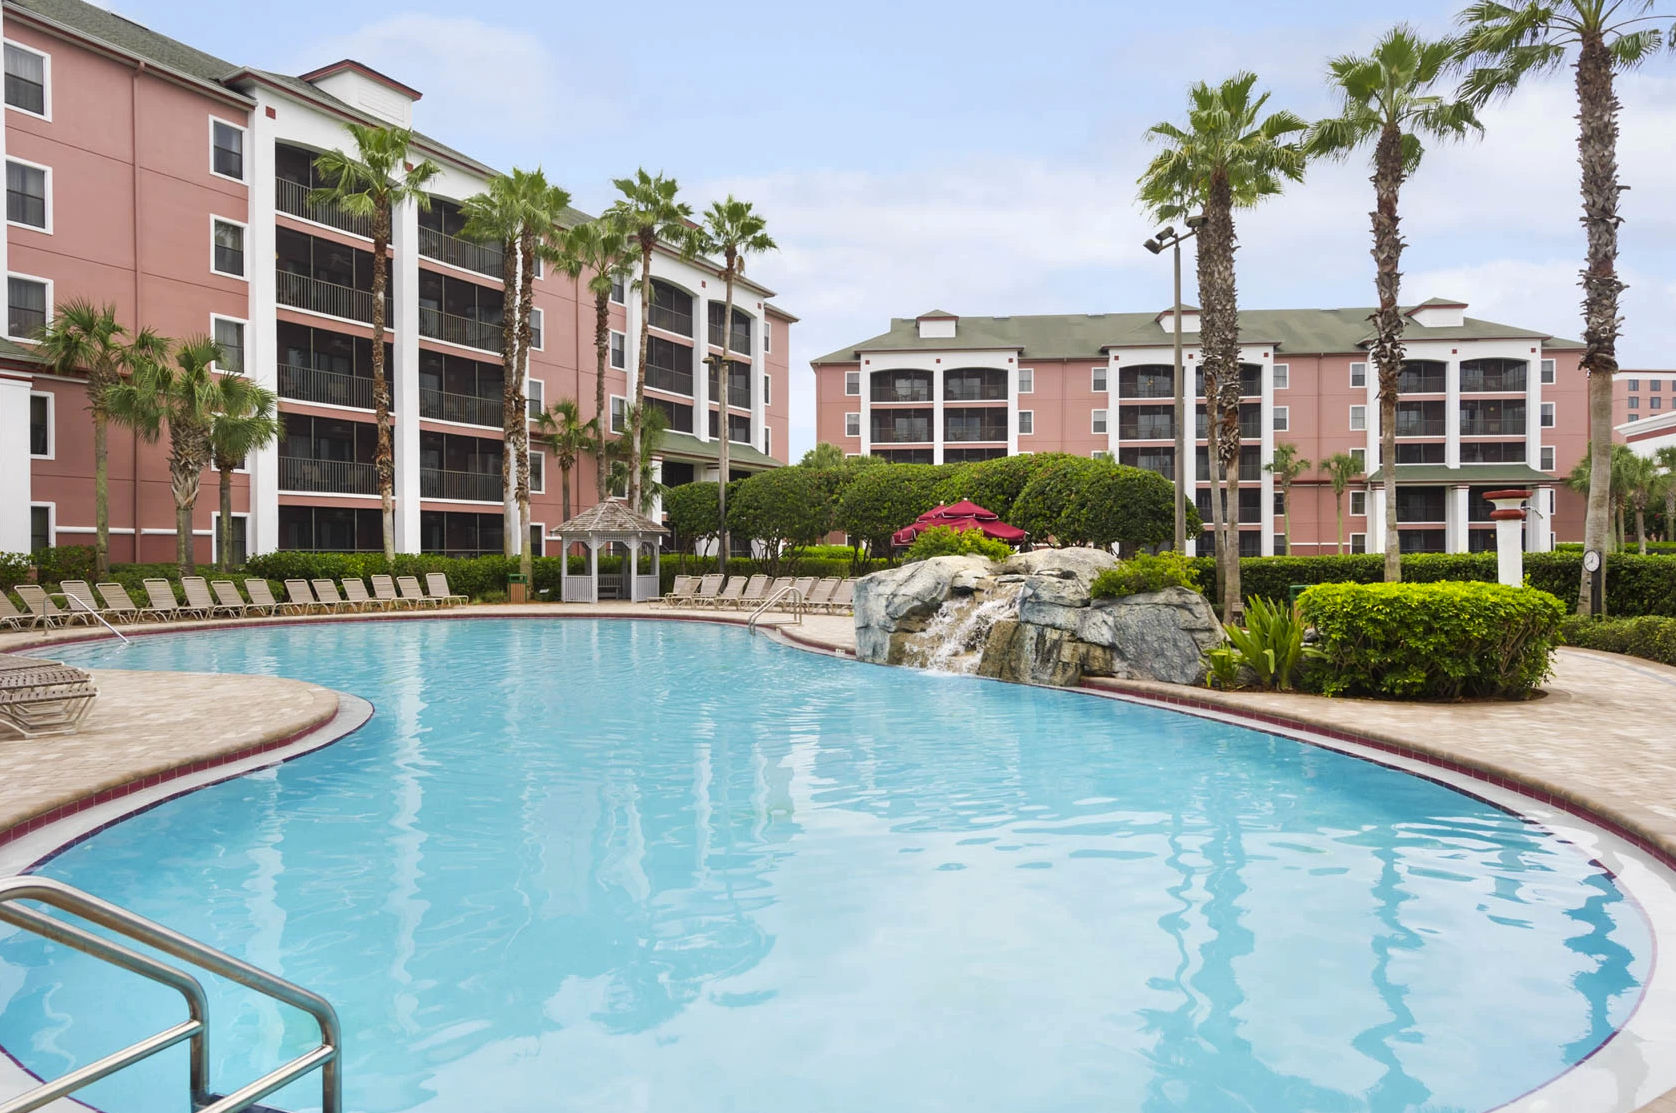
(224, 477)
(1338, 505)
(646, 242)
(602, 347)
(102, 497)
(564, 494)
(526, 336)
(183, 483)
(1670, 512)
(384, 460)
(1597, 151)
(1387, 321)
(722, 377)
(1286, 517)
(511, 387)
(1641, 527)
(1220, 339)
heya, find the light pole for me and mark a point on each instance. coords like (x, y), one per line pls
(1170, 238)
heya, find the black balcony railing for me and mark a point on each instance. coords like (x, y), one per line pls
(327, 477)
(469, 409)
(292, 197)
(1493, 426)
(464, 486)
(333, 388)
(484, 258)
(1423, 427)
(437, 325)
(319, 296)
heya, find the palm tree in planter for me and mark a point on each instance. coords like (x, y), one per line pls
(245, 422)
(1229, 156)
(600, 250)
(570, 438)
(732, 230)
(1286, 466)
(86, 339)
(1341, 469)
(1388, 100)
(647, 212)
(370, 184)
(1506, 43)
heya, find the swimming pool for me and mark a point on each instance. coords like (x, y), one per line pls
(611, 865)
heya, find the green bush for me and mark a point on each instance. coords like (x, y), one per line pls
(14, 569)
(996, 484)
(783, 508)
(1436, 641)
(1145, 572)
(882, 499)
(1651, 637)
(68, 562)
(473, 576)
(1081, 501)
(943, 541)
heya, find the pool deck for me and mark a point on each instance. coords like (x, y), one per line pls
(1598, 742)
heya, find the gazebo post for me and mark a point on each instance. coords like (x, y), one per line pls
(593, 570)
(657, 576)
(564, 569)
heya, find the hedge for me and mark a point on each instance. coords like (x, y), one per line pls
(1436, 641)
(1650, 636)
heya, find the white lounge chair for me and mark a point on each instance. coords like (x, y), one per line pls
(161, 603)
(262, 599)
(436, 587)
(117, 602)
(409, 586)
(46, 612)
(228, 599)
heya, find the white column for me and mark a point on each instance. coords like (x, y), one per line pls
(1539, 521)
(1458, 514)
(701, 375)
(1187, 468)
(1452, 414)
(937, 414)
(1376, 519)
(1012, 408)
(404, 378)
(593, 570)
(14, 464)
(261, 336)
(1533, 414)
(866, 413)
(1265, 454)
(759, 368)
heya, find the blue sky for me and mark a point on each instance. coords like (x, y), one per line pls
(981, 158)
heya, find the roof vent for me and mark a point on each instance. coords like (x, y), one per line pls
(363, 87)
(1189, 319)
(936, 325)
(1439, 313)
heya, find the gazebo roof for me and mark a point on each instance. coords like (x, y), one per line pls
(608, 519)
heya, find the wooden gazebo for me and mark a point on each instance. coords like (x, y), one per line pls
(600, 526)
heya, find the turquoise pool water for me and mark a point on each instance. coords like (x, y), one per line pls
(616, 866)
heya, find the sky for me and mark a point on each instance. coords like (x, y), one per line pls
(981, 158)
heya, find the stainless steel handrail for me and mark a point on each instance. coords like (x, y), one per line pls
(103, 621)
(56, 894)
(797, 608)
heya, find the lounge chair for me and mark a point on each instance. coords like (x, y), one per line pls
(778, 586)
(681, 591)
(436, 587)
(46, 612)
(355, 593)
(756, 588)
(161, 603)
(802, 587)
(199, 601)
(299, 598)
(729, 596)
(327, 592)
(821, 595)
(708, 588)
(78, 597)
(44, 697)
(117, 603)
(262, 599)
(384, 590)
(10, 617)
(228, 599)
(411, 591)
(843, 599)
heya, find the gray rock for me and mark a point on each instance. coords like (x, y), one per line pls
(1159, 635)
(902, 600)
(1085, 563)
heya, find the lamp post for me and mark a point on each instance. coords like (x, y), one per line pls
(1172, 239)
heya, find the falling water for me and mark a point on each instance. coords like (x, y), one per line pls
(954, 639)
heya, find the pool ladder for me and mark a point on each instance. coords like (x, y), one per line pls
(195, 1029)
(788, 592)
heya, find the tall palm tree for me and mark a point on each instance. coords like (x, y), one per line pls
(570, 438)
(1286, 466)
(1642, 484)
(732, 230)
(86, 339)
(246, 421)
(626, 468)
(1229, 156)
(1505, 43)
(370, 183)
(1388, 100)
(1341, 468)
(600, 250)
(183, 398)
(647, 211)
(1666, 458)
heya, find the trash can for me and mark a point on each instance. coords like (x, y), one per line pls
(517, 588)
(1296, 590)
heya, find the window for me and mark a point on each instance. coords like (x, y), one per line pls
(241, 531)
(1547, 457)
(1360, 455)
(26, 79)
(767, 335)
(229, 337)
(1026, 423)
(619, 413)
(40, 514)
(619, 350)
(1358, 374)
(1635, 384)
(538, 544)
(228, 241)
(226, 150)
(26, 307)
(1279, 505)
(1098, 378)
(538, 473)
(1282, 418)
(1358, 504)
(535, 396)
(767, 390)
(535, 329)
(28, 197)
(1358, 419)
(1549, 375)
(1282, 376)
(1634, 402)
(1655, 384)
(852, 383)
(1654, 403)
(1098, 424)
(852, 425)
(1099, 454)
(1358, 542)
(1547, 415)
(617, 290)
(1027, 380)
(767, 441)
(40, 425)
(1280, 544)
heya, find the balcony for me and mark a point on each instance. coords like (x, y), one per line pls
(461, 486)
(484, 258)
(332, 388)
(316, 295)
(292, 197)
(305, 475)
(1492, 426)
(1422, 427)
(468, 409)
(434, 324)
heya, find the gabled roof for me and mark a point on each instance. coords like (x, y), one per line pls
(685, 446)
(607, 518)
(1439, 303)
(350, 65)
(937, 314)
(124, 36)
(19, 353)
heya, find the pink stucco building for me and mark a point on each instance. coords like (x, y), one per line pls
(173, 185)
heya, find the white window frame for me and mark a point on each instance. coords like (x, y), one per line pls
(1027, 423)
(1097, 380)
(46, 282)
(541, 490)
(46, 83)
(1283, 419)
(1352, 540)
(1099, 454)
(1282, 376)
(52, 521)
(1358, 498)
(538, 273)
(1358, 419)
(1027, 380)
(767, 440)
(852, 377)
(46, 187)
(244, 149)
(528, 398)
(611, 414)
(541, 328)
(1358, 370)
(244, 231)
(1548, 371)
(620, 283)
(768, 390)
(1359, 453)
(857, 418)
(1547, 416)
(1099, 422)
(243, 324)
(52, 424)
(215, 532)
(767, 336)
(611, 350)
(1545, 455)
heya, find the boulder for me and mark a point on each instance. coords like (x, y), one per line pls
(1156, 635)
(902, 600)
(1084, 564)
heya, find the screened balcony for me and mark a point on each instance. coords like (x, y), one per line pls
(901, 386)
(330, 368)
(440, 238)
(1146, 423)
(459, 467)
(324, 276)
(1420, 419)
(1159, 459)
(1251, 381)
(741, 340)
(900, 427)
(1487, 375)
(330, 456)
(1493, 417)
(672, 308)
(1251, 421)
(1152, 380)
(455, 388)
(738, 384)
(460, 312)
(1423, 376)
(295, 177)
(1251, 465)
(975, 384)
(987, 423)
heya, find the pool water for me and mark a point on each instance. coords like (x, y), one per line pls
(640, 866)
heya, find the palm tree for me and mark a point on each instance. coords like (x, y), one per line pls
(646, 212)
(1505, 43)
(1388, 101)
(732, 230)
(1666, 458)
(1286, 466)
(599, 249)
(1229, 156)
(570, 438)
(1341, 468)
(86, 339)
(1619, 473)
(370, 184)
(184, 398)
(621, 459)
(245, 422)
(1642, 483)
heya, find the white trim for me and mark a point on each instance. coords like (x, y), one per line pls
(857, 432)
(856, 393)
(767, 335)
(1023, 371)
(244, 336)
(244, 149)
(46, 189)
(767, 390)
(1282, 418)
(542, 383)
(1546, 415)
(1283, 376)
(610, 414)
(1548, 372)
(52, 425)
(1363, 512)
(541, 347)
(767, 441)
(1545, 457)
(215, 532)
(1358, 418)
(126, 531)
(1098, 382)
(47, 282)
(1027, 418)
(620, 283)
(613, 335)
(46, 83)
(52, 523)
(1350, 542)
(1354, 385)
(244, 249)
(542, 490)
(325, 495)
(1099, 422)
(1359, 453)
(467, 427)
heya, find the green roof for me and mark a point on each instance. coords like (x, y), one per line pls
(1088, 335)
(18, 353)
(127, 36)
(685, 446)
(1476, 474)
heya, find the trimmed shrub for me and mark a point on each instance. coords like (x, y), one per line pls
(1145, 572)
(996, 484)
(473, 576)
(69, 562)
(1081, 501)
(943, 541)
(1437, 641)
(14, 569)
(1651, 637)
(694, 513)
(881, 500)
(783, 508)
